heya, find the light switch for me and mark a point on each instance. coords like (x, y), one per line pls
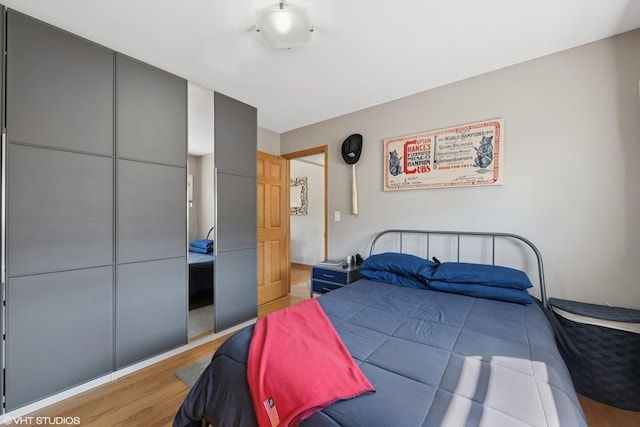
(336, 216)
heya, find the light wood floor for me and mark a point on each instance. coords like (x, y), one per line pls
(152, 396)
(299, 273)
(601, 415)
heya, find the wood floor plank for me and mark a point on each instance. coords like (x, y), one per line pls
(601, 415)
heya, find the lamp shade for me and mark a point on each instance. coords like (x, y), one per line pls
(283, 26)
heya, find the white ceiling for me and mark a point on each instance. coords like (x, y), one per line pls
(362, 53)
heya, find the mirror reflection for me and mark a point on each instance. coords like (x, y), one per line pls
(201, 212)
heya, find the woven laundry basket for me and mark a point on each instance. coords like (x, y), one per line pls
(608, 339)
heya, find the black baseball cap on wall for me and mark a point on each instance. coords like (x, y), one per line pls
(352, 148)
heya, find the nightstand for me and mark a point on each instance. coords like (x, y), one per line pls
(325, 278)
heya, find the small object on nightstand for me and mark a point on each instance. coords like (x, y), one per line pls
(325, 278)
(333, 262)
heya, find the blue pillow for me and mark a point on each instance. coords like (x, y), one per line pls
(393, 278)
(404, 264)
(480, 274)
(520, 296)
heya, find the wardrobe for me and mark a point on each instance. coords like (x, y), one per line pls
(94, 211)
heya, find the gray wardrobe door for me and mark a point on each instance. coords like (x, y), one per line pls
(150, 105)
(152, 213)
(236, 270)
(59, 332)
(60, 89)
(59, 307)
(236, 130)
(236, 298)
(151, 218)
(237, 212)
(152, 309)
(235, 287)
(60, 210)
(2, 188)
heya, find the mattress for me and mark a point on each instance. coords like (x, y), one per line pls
(435, 359)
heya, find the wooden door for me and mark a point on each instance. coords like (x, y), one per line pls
(273, 228)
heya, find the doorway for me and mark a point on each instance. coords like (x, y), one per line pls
(308, 218)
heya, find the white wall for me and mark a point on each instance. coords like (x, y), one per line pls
(201, 213)
(200, 119)
(268, 141)
(572, 162)
(207, 196)
(201, 146)
(193, 168)
(307, 231)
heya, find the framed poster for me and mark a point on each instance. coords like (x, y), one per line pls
(466, 155)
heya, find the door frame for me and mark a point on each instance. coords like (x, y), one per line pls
(322, 149)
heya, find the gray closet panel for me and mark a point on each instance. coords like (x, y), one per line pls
(151, 109)
(236, 133)
(61, 310)
(59, 332)
(152, 309)
(152, 212)
(60, 210)
(59, 88)
(2, 163)
(235, 288)
(237, 211)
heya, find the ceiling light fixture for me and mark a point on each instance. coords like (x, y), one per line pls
(283, 26)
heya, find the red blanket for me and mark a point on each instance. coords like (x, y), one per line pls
(298, 365)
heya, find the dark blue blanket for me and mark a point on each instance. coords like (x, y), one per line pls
(434, 358)
(205, 244)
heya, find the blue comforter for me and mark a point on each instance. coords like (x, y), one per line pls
(435, 359)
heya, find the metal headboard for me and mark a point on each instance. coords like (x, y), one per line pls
(490, 235)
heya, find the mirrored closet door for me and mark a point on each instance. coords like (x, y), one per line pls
(201, 210)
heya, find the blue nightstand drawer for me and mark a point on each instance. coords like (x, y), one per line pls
(323, 287)
(325, 278)
(330, 275)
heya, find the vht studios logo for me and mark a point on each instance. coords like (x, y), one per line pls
(41, 421)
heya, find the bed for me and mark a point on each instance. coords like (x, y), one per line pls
(200, 279)
(435, 358)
